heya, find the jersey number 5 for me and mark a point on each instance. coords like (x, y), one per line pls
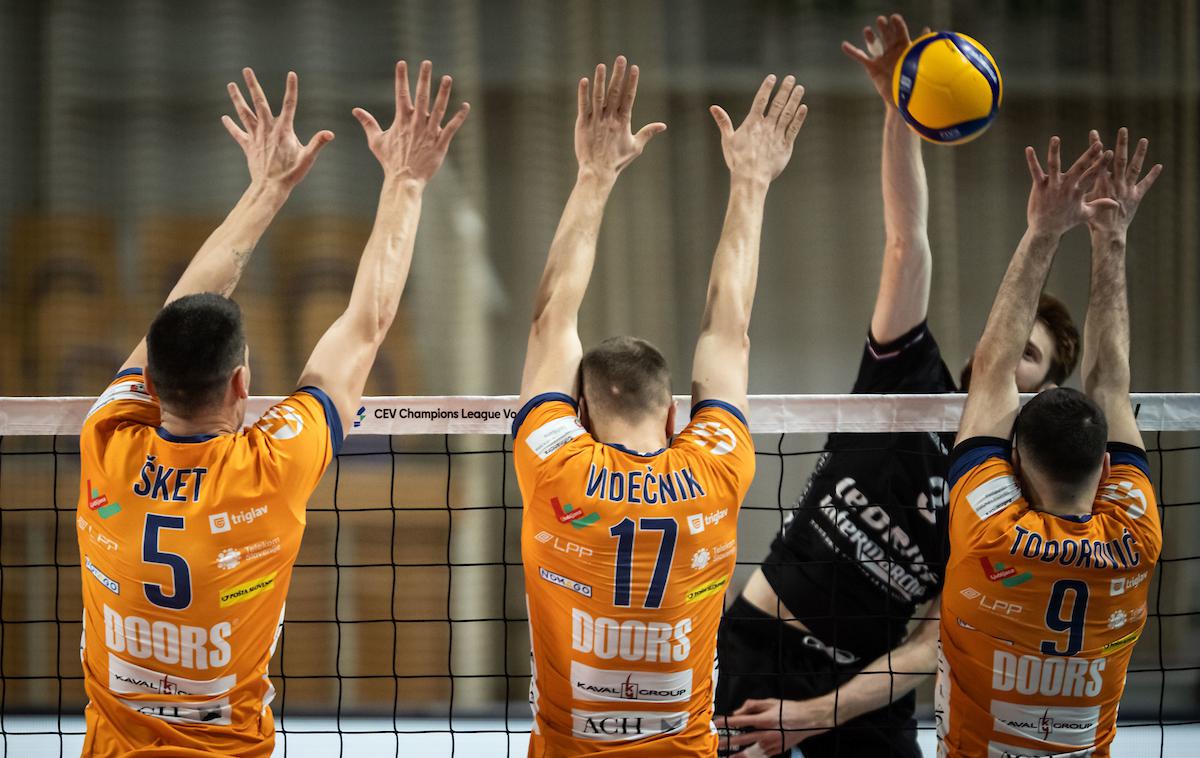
(623, 576)
(181, 576)
(1073, 626)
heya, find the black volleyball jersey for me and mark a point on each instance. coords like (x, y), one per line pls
(867, 542)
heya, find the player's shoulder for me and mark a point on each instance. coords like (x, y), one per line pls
(306, 415)
(126, 398)
(714, 426)
(545, 424)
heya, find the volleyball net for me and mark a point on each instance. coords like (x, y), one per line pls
(406, 628)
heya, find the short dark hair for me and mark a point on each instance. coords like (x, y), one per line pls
(194, 345)
(1065, 358)
(1063, 433)
(625, 376)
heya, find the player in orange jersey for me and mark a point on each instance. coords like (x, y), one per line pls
(188, 524)
(629, 536)
(1054, 535)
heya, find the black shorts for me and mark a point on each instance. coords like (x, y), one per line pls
(759, 656)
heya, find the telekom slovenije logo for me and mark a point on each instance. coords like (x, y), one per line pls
(1006, 575)
(569, 514)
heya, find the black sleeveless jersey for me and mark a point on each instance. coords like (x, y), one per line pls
(867, 542)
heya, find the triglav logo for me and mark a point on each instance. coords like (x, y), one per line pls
(222, 522)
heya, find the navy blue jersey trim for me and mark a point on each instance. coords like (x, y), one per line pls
(973, 451)
(332, 418)
(731, 409)
(623, 449)
(1132, 455)
(535, 401)
(187, 439)
(128, 372)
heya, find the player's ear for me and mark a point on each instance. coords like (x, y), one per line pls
(240, 382)
(150, 389)
(1105, 467)
(584, 419)
(671, 419)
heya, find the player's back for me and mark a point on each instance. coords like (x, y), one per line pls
(627, 558)
(1040, 613)
(187, 546)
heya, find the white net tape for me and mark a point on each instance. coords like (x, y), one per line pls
(481, 414)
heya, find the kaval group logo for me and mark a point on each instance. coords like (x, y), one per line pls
(1006, 575)
(99, 502)
(569, 514)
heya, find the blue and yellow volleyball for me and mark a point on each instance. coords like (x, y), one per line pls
(948, 87)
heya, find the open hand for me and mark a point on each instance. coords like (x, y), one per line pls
(1057, 201)
(273, 152)
(1120, 183)
(415, 145)
(604, 141)
(883, 52)
(762, 146)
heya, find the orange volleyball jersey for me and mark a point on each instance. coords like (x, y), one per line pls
(627, 558)
(186, 546)
(1040, 613)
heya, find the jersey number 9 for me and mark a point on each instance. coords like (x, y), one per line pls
(1073, 626)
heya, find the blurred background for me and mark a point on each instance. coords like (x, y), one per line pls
(116, 167)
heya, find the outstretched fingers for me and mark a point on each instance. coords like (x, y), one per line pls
(245, 115)
(442, 101)
(598, 90)
(424, 85)
(630, 93)
(453, 125)
(584, 99)
(291, 92)
(1035, 167)
(797, 121)
(1098, 164)
(1135, 164)
(404, 102)
(1054, 157)
(1121, 155)
(1086, 161)
(262, 109)
(240, 137)
(780, 99)
(855, 54)
(759, 106)
(790, 107)
(615, 88)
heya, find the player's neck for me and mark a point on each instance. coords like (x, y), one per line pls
(646, 437)
(1047, 500)
(215, 421)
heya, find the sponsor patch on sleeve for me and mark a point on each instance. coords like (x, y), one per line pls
(993, 496)
(550, 436)
(132, 389)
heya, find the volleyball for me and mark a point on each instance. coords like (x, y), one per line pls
(948, 87)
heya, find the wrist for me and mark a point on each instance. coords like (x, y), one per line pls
(272, 191)
(747, 182)
(1107, 236)
(596, 177)
(1041, 232)
(404, 183)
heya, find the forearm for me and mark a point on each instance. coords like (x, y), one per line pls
(1015, 308)
(384, 265)
(218, 264)
(734, 274)
(573, 250)
(905, 188)
(886, 679)
(1106, 331)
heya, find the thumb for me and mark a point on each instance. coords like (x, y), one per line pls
(369, 124)
(725, 124)
(318, 141)
(648, 132)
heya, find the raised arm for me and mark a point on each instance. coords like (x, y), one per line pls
(1056, 204)
(776, 725)
(410, 151)
(604, 145)
(277, 162)
(1106, 331)
(903, 297)
(756, 153)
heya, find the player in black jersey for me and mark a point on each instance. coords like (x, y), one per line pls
(840, 623)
